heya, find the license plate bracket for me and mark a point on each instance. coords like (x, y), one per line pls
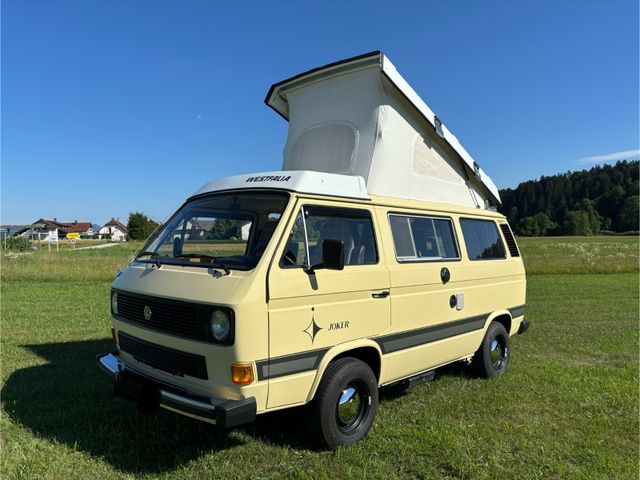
(145, 393)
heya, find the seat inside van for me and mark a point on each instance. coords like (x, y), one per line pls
(335, 229)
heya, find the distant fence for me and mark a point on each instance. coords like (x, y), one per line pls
(23, 244)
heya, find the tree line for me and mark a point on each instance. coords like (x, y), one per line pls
(603, 199)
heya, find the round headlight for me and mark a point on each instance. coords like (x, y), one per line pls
(114, 303)
(220, 325)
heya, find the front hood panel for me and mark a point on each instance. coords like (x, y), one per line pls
(181, 283)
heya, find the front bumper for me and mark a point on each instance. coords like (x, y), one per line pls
(151, 394)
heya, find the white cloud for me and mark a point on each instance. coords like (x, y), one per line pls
(611, 157)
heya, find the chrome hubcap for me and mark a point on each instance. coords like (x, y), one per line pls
(349, 405)
(498, 354)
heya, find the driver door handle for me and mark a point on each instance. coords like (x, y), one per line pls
(382, 294)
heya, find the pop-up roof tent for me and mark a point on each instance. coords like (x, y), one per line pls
(360, 117)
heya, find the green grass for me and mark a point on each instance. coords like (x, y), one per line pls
(78, 265)
(98, 265)
(555, 255)
(567, 408)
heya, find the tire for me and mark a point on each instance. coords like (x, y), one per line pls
(492, 358)
(331, 423)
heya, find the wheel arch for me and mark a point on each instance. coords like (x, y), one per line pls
(501, 316)
(365, 350)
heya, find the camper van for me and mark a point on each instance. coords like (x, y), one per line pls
(374, 256)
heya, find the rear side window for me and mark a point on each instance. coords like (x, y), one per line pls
(422, 238)
(482, 239)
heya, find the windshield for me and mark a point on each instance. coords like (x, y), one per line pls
(226, 231)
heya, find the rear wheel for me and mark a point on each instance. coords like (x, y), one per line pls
(492, 358)
(345, 404)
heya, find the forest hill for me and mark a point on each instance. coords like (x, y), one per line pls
(604, 198)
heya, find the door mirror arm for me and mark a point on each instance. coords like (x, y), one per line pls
(311, 269)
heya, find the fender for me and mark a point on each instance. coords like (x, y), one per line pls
(330, 355)
(496, 314)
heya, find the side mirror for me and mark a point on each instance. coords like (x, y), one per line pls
(177, 246)
(332, 256)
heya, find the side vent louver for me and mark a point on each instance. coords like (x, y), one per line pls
(511, 242)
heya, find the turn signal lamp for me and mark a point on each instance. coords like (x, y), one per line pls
(242, 373)
(114, 303)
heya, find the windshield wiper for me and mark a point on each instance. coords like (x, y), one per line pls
(147, 252)
(151, 255)
(211, 261)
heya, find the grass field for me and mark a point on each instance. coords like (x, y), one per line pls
(567, 408)
(554, 255)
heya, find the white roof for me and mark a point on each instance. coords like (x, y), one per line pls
(320, 183)
(366, 93)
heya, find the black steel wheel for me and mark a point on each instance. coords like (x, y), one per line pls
(492, 358)
(345, 404)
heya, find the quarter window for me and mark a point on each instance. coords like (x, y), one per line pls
(482, 239)
(422, 238)
(353, 227)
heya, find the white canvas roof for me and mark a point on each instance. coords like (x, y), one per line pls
(360, 117)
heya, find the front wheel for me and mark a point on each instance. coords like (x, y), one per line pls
(492, 358)
(345, 404)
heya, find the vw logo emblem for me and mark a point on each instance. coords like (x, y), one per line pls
(147, 313)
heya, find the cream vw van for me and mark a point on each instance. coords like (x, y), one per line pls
(372, 258)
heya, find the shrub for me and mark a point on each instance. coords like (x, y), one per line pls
(16, 244)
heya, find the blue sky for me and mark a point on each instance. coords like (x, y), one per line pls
(114, 106)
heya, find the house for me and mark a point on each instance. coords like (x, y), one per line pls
(33, 232)
(42, 229)
(113, 230)
(199, 228)
(84, 229)
(244, 231)
(37, 231)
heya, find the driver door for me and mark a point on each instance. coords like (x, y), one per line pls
(311, 312)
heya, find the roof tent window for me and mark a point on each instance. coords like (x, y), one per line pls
(429, 161)
(329, 147)
(423, 238)
(482, 239)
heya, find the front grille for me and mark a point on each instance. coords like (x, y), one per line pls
(163, 358)
(511, 242)
(170, 316)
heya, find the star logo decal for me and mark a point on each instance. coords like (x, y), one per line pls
(312, 330)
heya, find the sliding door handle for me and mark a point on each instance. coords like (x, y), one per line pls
(382, 294)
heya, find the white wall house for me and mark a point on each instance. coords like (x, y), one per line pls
(244, 231)
(113, 230)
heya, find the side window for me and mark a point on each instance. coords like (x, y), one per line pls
(422, 238)
(482, 239)
(353, 227)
